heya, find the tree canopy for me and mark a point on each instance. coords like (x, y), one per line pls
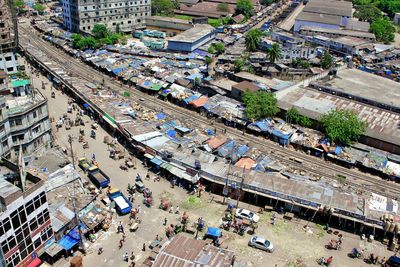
(301, 63)
(163, 7)
(239, 64)
(343, 126)
(252, 39)
(39, 7)
(274, 53)
(326, 60)
(368, 13)
(383, 30)
(223, 7)
(245, 7)
(99, 31)
(260, 105)
(293, 116)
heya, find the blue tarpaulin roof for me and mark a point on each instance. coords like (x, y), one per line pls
(214, 231)
(262, 125)
(118, 70)
(160, 116)
(190, 99)
(224, 150)
(183, 129)
(171, 133)
(72, 238)
(157, 161)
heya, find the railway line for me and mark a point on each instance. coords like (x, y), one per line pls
(310, 164)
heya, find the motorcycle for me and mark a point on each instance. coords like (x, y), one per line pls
(356, 253)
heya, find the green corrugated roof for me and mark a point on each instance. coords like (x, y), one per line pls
(19, 83)
(156, 87)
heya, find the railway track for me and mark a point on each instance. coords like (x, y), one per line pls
(310, 164)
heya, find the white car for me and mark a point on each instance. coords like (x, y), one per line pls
(261, 243)
(246, 214)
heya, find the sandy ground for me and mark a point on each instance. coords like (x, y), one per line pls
(292, 243)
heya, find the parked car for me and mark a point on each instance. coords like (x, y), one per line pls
(261, 243)
(246, 214)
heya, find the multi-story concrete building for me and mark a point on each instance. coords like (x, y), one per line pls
(24, 120)
(8, 38)
(82, 15)
(25, 224)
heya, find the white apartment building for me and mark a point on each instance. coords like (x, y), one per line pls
(82, 15)
(24, 120)
(8, 39)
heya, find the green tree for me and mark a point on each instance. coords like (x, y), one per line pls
(245, 7)
(293, 116)
(252, 39)
(211, 49)
(75, 39)
(87, 42)
(260, 105)
(123, 40)
(223, 7)
(19, 4)
(383, 30)
(163, 7)
(368, 13)
(100, 31)
(39, 7)
(327, 60)
(239, 64)
(219, 47)
(274, 53)
(343, 126)
(389, 6)
(301, 63)
(208, 61)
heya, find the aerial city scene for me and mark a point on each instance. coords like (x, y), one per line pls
(199, 133)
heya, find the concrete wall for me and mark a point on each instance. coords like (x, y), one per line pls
(189, 47)
(299, 23)
(154, 23)
(8, 62)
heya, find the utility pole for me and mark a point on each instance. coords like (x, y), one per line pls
(240, 189)
(225, 190)
(70, 139)
(82, 245)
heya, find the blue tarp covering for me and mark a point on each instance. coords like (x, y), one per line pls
(160, 116)
(283, 138)
(85, 105)
(225, 149)
(214, 231)
(263, 125)
(338, 150)
(209, 132)
(190, 99)
(118, 70)
(171, 133)
(242, 150)
(72, 238)
(156, 161)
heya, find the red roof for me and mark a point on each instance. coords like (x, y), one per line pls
(199, 102)
(246, 163)
(215, 142)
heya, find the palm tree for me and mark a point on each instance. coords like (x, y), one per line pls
(274, 53)
(252, 39)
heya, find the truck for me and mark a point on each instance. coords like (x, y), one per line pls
(122, 204)
(98, 177)
(84, 164)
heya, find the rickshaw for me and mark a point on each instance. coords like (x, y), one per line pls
(93, 134)
(139, 186)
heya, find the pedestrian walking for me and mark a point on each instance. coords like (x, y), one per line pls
(157, 238)
(132, 256)
(93, 157)
(144, 247)
(139, 208)
(165, 220)
(177, 210)
(171, 209)
(126, 257)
